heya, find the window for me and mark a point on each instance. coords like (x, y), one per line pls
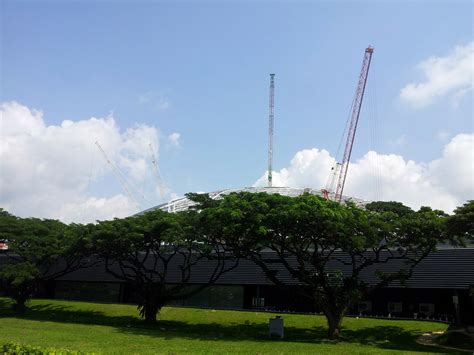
(258, 302)
(365, 307)
(426, 308)
(395, 307)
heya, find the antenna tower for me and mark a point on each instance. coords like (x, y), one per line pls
(270, 128)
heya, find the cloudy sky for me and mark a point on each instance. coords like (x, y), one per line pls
(93, 92)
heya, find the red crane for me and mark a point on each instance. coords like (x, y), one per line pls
(340, 172)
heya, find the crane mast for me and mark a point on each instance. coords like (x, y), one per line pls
(356, 106)
(270, 128)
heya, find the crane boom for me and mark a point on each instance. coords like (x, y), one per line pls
(270, 128)
(356, 106)
(329, 190)
(120, 178)
(157, 171)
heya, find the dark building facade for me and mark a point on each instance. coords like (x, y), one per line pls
(441, 288)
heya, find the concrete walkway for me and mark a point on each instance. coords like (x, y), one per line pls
(429, 339)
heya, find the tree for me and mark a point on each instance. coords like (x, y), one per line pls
(461, 224)
(155, 253)
(325, 246)
(398, 208)
(38, 250)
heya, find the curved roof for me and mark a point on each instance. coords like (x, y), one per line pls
(183, 203)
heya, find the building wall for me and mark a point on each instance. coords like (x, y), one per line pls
(220, 297)
(88, 291)
(421, 303)
(397, 302)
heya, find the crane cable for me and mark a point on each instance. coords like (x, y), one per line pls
(374, 140)
(332, 178)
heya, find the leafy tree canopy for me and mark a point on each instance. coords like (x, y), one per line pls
(37, 250)
(461, 224)
(324, 245)
(155, 253)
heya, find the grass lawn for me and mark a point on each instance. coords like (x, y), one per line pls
(116, 328)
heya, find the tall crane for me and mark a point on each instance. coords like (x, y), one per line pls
(118, 175)
(335, 170)
(157, 172)
(339, 172)
(356, 106)
(270, 128)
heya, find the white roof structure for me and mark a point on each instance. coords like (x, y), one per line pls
(183, 203)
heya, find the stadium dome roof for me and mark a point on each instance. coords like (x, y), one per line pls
(183, 203)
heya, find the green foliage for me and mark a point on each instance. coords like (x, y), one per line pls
(142, 250)
(19, 282)
(314, 239)
(203, 200)
(461, 224)
(18, 349)
(395, 207)
(9, 225)
(35, 247)
(33, 239)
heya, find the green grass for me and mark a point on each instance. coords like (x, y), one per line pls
(114, 328)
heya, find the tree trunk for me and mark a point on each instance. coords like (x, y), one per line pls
(334, 307)
(19, 307)
(151, 312)
(152, 302)
(334, 324)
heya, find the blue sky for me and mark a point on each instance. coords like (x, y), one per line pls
(201, 69)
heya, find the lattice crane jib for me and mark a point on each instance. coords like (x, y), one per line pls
(356, 106)
(118, 175)
(159, 178)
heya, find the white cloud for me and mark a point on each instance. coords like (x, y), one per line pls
(455, 169)
(47, 170)
(174, 138)
(444, 183)
(308, 168)
(450, 75)
(93, 208)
